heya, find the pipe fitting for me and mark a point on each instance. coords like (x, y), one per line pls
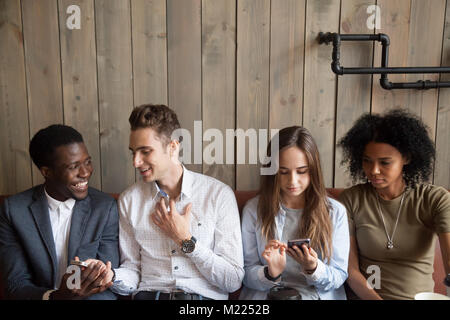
(384, 39)
(385, 83)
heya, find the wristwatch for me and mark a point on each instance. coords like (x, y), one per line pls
(187, 246)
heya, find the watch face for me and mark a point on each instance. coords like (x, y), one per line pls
(188, 246)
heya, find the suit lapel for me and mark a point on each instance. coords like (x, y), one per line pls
(80, 217)
(39, 210)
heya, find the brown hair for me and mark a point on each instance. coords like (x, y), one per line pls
(315, 222)
(158, 117)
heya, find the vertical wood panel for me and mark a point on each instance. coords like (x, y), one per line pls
(218, 77)
(252, 110)
(149, 51)
(79, 79)
(43, 66)
(249, 64)
(15, 163)
(320, 82)
(354, 91)
(442, 165)
(415, 29)
(287, 42)
(115, 90)
(395, 17)
(185, 68)
(149, 42)
(424, 49)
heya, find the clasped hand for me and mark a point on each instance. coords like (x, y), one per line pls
(94, 278)
(175, 225)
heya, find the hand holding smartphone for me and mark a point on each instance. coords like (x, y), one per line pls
(299, 242)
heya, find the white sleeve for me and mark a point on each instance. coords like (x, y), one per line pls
(223, 266)
(128, 274)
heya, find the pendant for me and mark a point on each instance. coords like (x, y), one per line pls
(390, 245)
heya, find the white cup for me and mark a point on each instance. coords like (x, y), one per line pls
(430, 296)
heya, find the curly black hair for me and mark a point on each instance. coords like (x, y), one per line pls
(399, 128)
(45, 141)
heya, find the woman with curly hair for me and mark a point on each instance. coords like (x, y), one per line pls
(393, 217)
(292, 204)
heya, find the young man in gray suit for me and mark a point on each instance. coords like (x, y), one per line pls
(42, 229)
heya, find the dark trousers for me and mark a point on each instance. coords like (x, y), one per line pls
(158, 295)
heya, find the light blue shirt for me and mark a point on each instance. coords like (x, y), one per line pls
(328, 278)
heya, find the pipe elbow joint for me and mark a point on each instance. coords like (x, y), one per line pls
(327, 37)
(384, 38)
(385, 83)
(323, 37)
(336, 68)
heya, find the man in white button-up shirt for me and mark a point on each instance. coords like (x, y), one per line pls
(180, 234)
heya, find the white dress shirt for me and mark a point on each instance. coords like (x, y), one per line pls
(151, 261)
(60, 214)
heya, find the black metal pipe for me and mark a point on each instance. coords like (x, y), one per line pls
(421, 85)
(384, 70)
(399, 70)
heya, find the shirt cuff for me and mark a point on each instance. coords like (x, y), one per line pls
(199, 251)
(318, 273)
(264, 280)
(46, 295)
(119, 285)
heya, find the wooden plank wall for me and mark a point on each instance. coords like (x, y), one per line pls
(80, 91)
(248, 64)
(442, 167)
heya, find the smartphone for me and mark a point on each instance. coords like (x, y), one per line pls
(298, 242)
(79, 263)
(166, 201)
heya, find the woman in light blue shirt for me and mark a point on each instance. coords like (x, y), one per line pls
(292, 204)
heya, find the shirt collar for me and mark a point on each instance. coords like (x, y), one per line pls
(186, 184)
(187, 180)
(281, 210)
(54, 204)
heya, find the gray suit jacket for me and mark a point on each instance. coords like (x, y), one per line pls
(28, 263)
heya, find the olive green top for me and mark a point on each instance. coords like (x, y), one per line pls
(407, 268)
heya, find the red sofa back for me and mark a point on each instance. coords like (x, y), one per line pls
(243, 196)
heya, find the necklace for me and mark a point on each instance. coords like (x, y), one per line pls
(390, 242)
